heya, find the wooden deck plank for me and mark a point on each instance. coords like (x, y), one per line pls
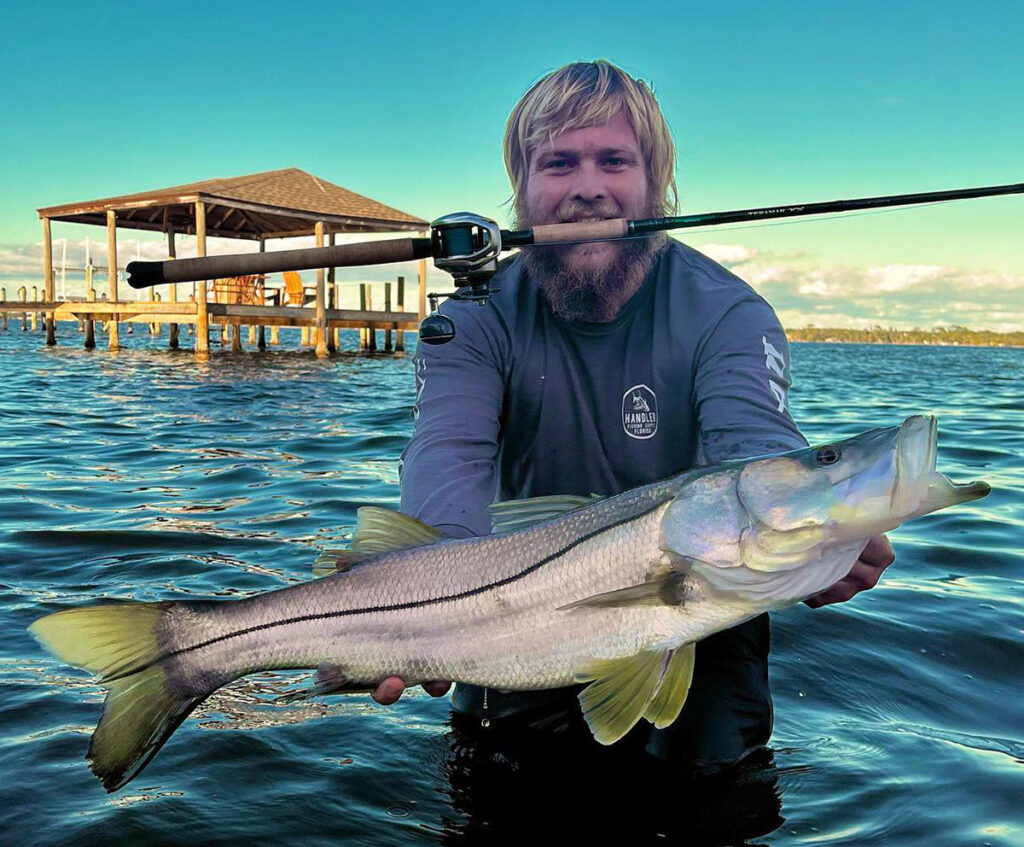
(137, 311)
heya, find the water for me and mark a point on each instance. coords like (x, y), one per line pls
(144, 474)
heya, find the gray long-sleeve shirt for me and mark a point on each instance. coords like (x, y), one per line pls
(694, 370)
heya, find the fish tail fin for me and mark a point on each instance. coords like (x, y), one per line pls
(119, 642)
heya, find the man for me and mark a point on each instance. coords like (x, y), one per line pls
(600, 367)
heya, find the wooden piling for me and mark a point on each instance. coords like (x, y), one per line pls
(202, 316)
(3, 315)
(387, 308)
(363, 339)
(51, 323)
(275, 330)
(320, 318)
(34, 315)
(332, 303)
(400, 307)
(423, 286)
(113, 341)
(23, 291)
(154, 327)
(172, 329)
(262, 343)
(90, 296)
(371, 333)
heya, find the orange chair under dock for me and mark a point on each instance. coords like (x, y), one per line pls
(296, 294)
(238, 289)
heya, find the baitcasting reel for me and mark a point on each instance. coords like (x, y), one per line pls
(467, 246)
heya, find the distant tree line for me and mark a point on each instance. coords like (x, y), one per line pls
(956, 335)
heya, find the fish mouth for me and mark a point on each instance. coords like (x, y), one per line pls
(920, 488)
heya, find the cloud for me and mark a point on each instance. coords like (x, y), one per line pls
(899, 295)
(729, 255)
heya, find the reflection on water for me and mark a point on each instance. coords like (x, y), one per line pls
(145, 475)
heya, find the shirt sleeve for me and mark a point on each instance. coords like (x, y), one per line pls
(741, 386)
(448, 469)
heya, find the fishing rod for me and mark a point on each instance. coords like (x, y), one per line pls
(467, 246)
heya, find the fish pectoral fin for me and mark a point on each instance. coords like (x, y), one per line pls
(380, 530)
(329, 679)
(663, 590)
(621, 691)
(675, 686)
(336, 561)
(517, 514)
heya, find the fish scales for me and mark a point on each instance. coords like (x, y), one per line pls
(454, 611)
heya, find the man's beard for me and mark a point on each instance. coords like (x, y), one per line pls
(588, 294)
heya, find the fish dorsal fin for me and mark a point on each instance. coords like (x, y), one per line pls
(662, 590)
(620, 691)
(668, 702)
(382, 530)
(378, 530)
(516, 514)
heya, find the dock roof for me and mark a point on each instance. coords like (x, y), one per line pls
(271, 204)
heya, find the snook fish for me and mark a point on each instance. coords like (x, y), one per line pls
(613, 591)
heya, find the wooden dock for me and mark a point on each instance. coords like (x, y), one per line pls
(282, 204)
(34, 315)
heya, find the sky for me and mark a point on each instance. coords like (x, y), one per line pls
(770, 103)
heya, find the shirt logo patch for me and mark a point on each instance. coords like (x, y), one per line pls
(640, 412)
(776, 363)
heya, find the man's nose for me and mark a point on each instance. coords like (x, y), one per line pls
(590, 184)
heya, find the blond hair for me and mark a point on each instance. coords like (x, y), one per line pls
(585, 94)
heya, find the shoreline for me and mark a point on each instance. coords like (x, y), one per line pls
(793, 340)
(942, 337)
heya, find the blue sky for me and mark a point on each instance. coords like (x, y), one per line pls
(770, 103)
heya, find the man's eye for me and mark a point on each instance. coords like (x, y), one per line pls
(556, 164)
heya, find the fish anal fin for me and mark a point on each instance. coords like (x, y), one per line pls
(675, 685)
(662, 590)
(329, 679)
(620, 691)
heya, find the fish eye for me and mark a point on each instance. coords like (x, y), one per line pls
(828, 455)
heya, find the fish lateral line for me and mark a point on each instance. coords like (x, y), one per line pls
(394, 607)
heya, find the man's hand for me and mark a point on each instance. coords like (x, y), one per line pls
(874, 559)
(391, 689)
